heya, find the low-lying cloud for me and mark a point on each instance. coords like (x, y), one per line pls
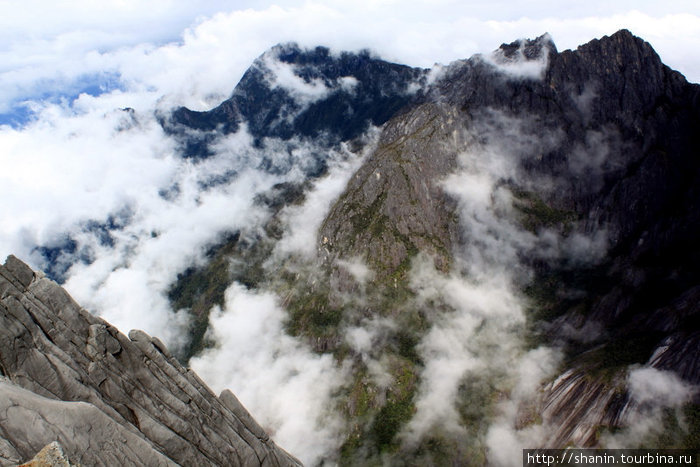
(517, 65)
(282, 382)
(653, 394)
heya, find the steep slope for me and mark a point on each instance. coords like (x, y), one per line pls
(514, 263)
(598, 147)
(69, 377)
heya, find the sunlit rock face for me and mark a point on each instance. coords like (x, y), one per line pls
(105, 398)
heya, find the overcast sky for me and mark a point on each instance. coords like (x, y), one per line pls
(196, 51)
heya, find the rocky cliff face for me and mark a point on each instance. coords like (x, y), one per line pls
(599, 143)
(574, 175)
(71, 378)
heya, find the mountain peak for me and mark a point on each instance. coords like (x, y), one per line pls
(305, 93)
(530, 49)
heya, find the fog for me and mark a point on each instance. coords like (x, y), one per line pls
(286, 386)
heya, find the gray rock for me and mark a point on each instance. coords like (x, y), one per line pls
(393, 206)
(70, 377)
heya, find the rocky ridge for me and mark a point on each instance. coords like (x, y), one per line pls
(600, 140)
(69, 377)
(321, 95)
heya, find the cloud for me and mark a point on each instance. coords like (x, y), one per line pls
(505, 438)
(197, 53)
(279, 74)
(110, 181)
(478, 334)
(663, 388)
(302, 222)
(483, 314)
(652, 395)
(517, 64)
(357, 269)
(285, 385)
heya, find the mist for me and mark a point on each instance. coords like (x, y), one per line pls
(286, 386)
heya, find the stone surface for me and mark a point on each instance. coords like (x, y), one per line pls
(393, 206)
(70, 377)
(51, 456)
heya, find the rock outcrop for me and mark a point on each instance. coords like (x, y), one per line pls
(393, 206)
(69, 377)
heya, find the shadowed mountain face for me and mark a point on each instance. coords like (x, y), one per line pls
(293, 93)
(510, 261)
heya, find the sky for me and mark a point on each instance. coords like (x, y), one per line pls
(74, 164)
(195, 52)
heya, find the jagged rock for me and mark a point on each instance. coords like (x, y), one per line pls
(576, 406)
(51, 456)
(108, 400)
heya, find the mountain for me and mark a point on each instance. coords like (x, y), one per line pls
(293, 93)
(69, 378)
(508, 260)
(571, 176)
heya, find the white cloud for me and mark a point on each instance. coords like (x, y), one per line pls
(663, 388)
(53, 44)
(518, 65)
(285, 385)
(357, 269)
(303, 221)
(653, 394)
(284, 75)
(483, 314)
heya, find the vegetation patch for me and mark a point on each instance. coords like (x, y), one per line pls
(310, 313)
(536, 214)
(377, 414)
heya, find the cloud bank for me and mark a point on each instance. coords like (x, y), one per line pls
(287, 387)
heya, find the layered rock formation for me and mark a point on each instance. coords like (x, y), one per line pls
(71, 378)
